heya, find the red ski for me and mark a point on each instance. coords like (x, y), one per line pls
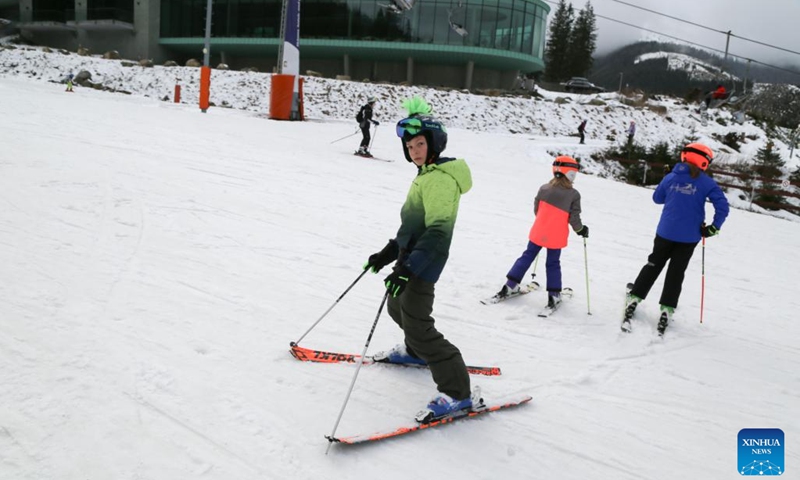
(356, 439)
(319, 356)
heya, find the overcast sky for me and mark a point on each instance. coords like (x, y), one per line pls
(775, 22)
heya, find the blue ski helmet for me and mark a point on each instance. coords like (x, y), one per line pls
(434, 131)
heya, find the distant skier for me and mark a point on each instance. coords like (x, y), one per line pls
(557, 206)
(683, 193)
(69, 82)
(420, 251)
(364, 118)
(582, 130)
(631, 132)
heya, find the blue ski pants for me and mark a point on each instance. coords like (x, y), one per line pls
(552, 266)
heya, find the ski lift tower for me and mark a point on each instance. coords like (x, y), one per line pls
(286, 94)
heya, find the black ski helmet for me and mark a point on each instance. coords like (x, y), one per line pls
(434, 131)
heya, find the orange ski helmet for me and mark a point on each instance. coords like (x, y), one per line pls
(698, 155)
(565, 166)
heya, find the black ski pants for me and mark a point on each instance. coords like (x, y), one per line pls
(365, 137)
(678, 255)
(412, 312)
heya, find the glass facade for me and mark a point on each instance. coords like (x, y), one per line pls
(512, 25)
(52, 11)
(121, 10)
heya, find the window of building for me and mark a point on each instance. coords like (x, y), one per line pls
(120, 10)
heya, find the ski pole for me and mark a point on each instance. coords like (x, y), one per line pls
(346, 136)
(586, 269)
(373, 138)
(293, 344)
(702, 277)
(331, 437)
(533, 275)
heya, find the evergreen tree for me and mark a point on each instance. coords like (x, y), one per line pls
(582, 43)
(768, 166)
(556, 53)
(795, 176)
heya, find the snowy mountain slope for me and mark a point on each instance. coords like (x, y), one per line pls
(697, 69)
(152, 278)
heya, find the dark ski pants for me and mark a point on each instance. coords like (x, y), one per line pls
(678, 254)
(553, 266)
(365, 137)
(583, 136)
(412, 312)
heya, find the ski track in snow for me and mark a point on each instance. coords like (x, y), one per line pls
(152, 278)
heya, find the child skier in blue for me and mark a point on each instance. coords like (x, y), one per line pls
(683, 192)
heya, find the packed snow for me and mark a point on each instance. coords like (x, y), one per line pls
(157, 261)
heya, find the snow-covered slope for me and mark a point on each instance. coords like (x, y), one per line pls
(157, 261)
(697, 69)
(339, 100)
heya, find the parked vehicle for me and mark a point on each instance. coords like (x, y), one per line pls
(581, 85)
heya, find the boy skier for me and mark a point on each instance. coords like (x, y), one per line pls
(420, 251)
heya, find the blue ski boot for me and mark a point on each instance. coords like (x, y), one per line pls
(398, 354)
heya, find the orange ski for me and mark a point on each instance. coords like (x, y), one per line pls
(319, 356)
(355, 439)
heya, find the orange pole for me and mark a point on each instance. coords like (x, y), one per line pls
(205, 87)
(177, 94)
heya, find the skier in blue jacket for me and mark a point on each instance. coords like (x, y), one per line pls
(683, 192)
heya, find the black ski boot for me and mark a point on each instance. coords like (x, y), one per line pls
(663, 321)
(631, 302)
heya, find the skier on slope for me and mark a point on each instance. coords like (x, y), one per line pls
(420, 250)
(683, 192)
(557, 206)
(364, 118)
(631, 132)
(582, 130)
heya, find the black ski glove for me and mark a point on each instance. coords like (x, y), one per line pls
(709, 230)
(376, 261)
(376, 123)
(583, 232)
(397, 280)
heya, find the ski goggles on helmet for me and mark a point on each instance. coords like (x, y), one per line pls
(411, 126)
(698, 152)
(696, 156)
(567, 167)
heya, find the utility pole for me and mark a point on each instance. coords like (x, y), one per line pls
(727, 44)
(620, 83)
(205, 70)
(746, 75)
(644, 176)
(207, 45)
